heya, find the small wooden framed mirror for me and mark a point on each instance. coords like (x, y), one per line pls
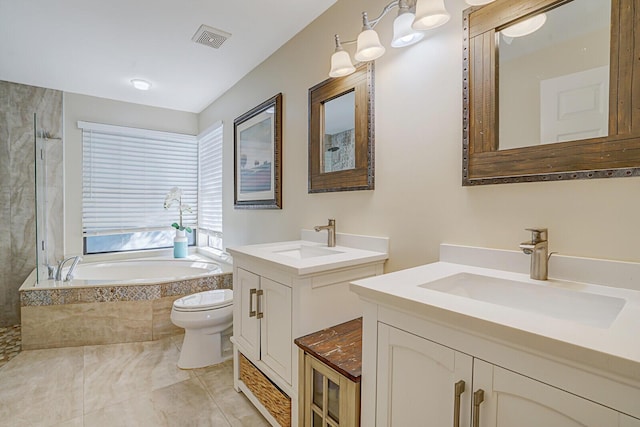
(341, 138)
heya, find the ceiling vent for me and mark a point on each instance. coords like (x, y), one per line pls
(209, 36)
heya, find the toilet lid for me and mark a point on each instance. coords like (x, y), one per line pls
(208, 299)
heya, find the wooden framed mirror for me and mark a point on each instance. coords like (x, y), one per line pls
(341, 138)
(579, 123)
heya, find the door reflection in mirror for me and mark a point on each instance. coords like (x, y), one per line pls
(339, 143)
(554, 81)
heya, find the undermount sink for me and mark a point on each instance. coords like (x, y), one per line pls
(583, 307)
(305, 252)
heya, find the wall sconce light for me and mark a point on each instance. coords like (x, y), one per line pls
(430, 14)
(340, 61)
(368, 46)
(414, 16)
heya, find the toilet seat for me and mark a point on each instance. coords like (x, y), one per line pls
(203, 301)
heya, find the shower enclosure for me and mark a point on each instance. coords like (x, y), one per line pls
(48, 197)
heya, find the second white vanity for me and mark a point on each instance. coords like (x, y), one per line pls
(473, 341)
(286, 290)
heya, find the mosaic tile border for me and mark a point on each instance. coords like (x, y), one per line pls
(115, 293)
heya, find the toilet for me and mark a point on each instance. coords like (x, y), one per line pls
(207, 321)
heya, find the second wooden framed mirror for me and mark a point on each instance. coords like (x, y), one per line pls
(341, 138)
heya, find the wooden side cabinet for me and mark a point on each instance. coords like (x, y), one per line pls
(330, 364)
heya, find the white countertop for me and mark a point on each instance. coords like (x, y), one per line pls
(336, 257)
(618, 344)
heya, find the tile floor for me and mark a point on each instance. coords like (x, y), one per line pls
(10, 343)
(133, 384)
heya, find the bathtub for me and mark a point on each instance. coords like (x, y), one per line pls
(115, 301)
(136, 271)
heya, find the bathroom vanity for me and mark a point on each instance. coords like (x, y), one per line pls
(286, 290)
(473, 341)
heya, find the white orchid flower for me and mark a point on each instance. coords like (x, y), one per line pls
(175, 195)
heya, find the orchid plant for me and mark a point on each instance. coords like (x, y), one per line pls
(175, 195)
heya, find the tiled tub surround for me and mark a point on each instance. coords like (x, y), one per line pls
(106, 313)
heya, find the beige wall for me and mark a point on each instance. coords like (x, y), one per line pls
(100, 110)
(418, 201)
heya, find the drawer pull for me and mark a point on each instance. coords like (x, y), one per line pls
(252, 312)
(260, 314)
(478, 398)
(459, 389)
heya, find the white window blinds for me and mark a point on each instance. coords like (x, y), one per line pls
(126, 174)
(210, 181)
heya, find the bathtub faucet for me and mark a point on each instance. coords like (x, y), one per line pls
(76, 259)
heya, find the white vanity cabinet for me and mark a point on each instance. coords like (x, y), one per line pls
(420, 382)
(283, 291)
(556, 353)
(264, 321)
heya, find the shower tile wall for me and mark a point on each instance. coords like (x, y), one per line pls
(18, 103)
(340, 151)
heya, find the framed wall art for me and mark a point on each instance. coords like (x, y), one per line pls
(258, 156)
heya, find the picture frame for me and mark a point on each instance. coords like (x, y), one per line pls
(257, 154)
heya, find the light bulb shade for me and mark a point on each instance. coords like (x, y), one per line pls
(341, 64)
(369, 47)
(430, 14)
(478, 2)
(403, 34)
(525, 27)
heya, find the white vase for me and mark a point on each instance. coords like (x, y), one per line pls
(180, 243)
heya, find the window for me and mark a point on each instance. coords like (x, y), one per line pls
(210, 187)
(126, 174)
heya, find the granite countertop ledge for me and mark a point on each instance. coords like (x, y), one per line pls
(339, 347)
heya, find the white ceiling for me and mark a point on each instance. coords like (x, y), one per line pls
(95, 47)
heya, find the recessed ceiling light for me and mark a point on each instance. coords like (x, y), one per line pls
(141, 84)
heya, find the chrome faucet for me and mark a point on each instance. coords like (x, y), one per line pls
(331, 232)
(76, 259)
(538, 248)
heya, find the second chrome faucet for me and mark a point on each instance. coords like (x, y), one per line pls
(331, 232)
(538, 248)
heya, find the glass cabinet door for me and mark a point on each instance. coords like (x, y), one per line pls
(329, 399)
(325, 395)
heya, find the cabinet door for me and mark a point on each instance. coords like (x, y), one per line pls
(329, 399)
(416, 381)
(511, 399)
(246, 326)
(275, 330)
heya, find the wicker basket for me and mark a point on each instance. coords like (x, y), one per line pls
(277, 402)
